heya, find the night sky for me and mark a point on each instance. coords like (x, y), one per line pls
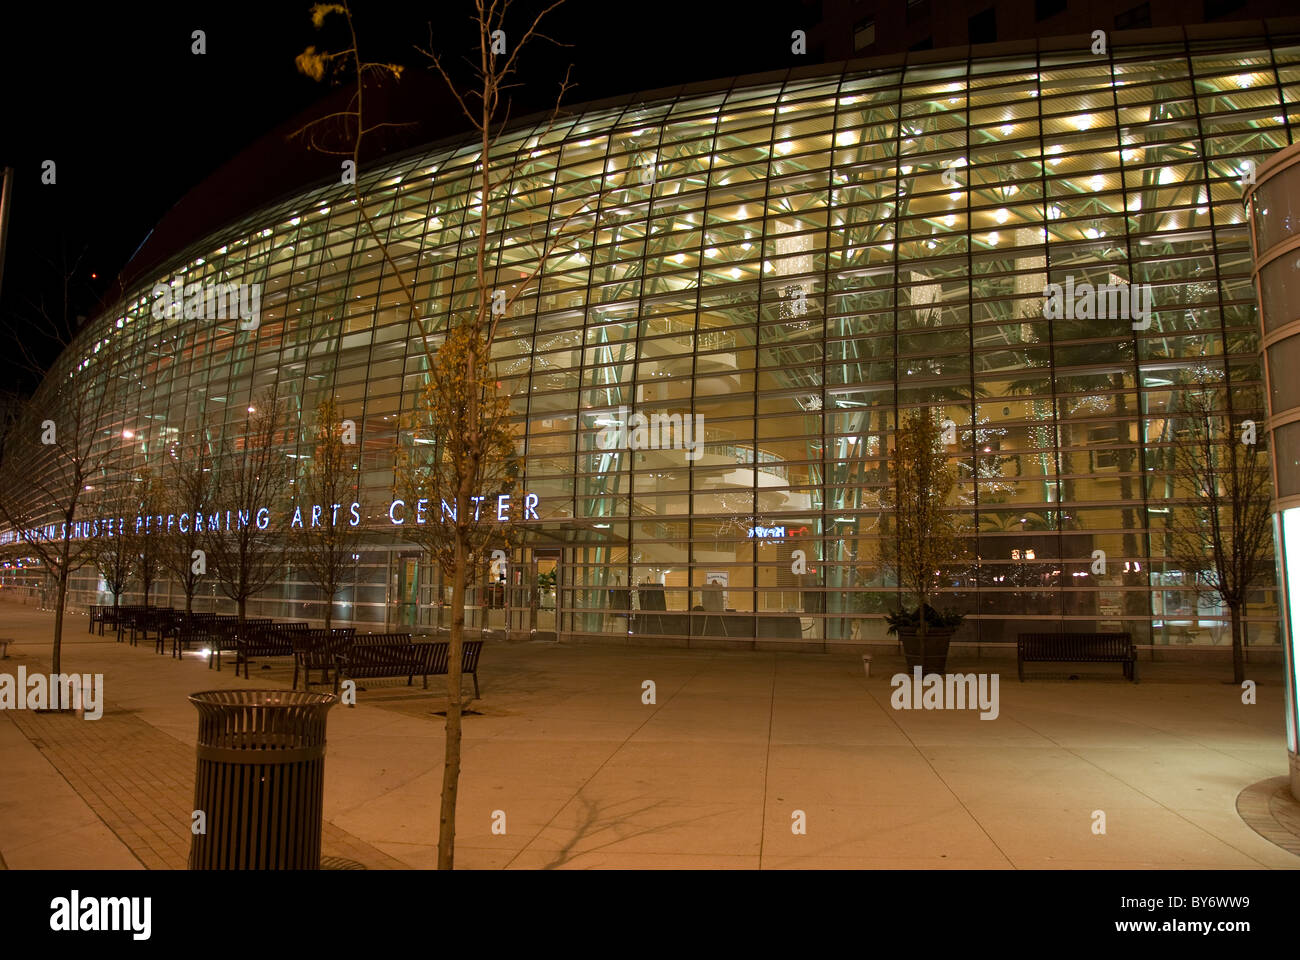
(134, 120)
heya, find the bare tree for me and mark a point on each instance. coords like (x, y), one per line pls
(1224, 539)
(250, 482)
(326, 534)
(55, 447)
(466, 449)
(44, 486)
(188, 492)
(148, 502)
(114, 549)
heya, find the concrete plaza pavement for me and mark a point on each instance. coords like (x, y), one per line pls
(709, 776)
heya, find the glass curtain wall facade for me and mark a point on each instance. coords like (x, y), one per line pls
(1273, 201)
(797, 262)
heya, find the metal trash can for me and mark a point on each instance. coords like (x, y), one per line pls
(260, 779)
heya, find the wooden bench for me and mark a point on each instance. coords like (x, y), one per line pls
(435, 659)
(96, 617)
(1077, 648)
(271, 640)
(376, 655)
(320, 650)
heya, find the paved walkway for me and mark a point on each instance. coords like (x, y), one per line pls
(710, 775)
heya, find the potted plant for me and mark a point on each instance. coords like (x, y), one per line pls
(926, 647)
(926, 536)
(546, 589)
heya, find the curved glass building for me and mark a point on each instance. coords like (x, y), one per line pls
(1047, 247)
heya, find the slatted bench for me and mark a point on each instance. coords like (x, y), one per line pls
(227, 634)
(272, 640)
(129, 621)
(1077, 648)
(205, 630)
(96, 617)
(188, 628)
(146, 620)
(320, 650)
(167, 626)
(376, 655)
(435, 659)
(118, 619)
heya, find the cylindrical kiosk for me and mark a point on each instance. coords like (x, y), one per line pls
(259, 784)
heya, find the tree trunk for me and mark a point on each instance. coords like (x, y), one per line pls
(329, 610)
(1238, 652)
(451, 757)
(921, 632)
(58, 621)
(189, 602)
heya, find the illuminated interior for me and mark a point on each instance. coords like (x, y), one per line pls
(797, 263)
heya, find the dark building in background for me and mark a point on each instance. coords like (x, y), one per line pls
(843, 29)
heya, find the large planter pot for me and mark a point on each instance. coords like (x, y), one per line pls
(936, 640)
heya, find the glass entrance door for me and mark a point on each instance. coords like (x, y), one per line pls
(545, 595)
(409, 594)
